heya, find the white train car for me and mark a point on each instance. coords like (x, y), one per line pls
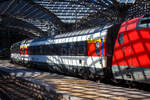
(77, 53)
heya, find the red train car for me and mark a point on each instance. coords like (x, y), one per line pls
(131, 57)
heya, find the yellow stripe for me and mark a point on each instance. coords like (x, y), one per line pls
(96, 40)
(23, 47)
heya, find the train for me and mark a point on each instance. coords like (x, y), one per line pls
(119, 52)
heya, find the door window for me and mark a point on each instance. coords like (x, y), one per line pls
(97, 48)
(120, 39)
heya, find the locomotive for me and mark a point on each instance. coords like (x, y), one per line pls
(119, 52)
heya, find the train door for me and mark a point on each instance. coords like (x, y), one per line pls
(100, 55)
(26, 58)
(100, 50)
(97, 48)
(23, 53)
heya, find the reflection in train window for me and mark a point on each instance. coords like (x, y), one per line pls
(62, 49)
(97, 48)
(120, 39)
(145, 21)
(81, 48)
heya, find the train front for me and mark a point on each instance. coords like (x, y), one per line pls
(131, 59)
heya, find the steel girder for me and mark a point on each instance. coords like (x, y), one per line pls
(99, 6)
(54, 19)
(140, 8)
(105, 9)
(27, 9)
(11, 22)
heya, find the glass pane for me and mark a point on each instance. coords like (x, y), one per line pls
(120, 39)
(97, 48)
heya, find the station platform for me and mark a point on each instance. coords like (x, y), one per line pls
(35, 84)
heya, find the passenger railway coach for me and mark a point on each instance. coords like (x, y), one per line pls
(106, 52)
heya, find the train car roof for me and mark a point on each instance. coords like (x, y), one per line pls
(85, 31)
(75, 33)
(129, 25)
(134, 24)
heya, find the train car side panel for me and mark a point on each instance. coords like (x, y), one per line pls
(69, 53)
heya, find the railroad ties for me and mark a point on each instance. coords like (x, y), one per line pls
(24, 83)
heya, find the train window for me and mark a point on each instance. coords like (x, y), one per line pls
(97, 48)
(34, 50)
(68, 49)
(120, 39)
(72, 49)
(23, 51)
(28, 50)
(59, 48)
(81, 48)
(85, 48)
(41, 50)
(64, 49)
(52, 49)
(44, 47)
(38, 50)
(145, 21)
(76, 48)
(47, 50)
(31, 51)
(55, 50)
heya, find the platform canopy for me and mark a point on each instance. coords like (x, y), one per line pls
(60, 16)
